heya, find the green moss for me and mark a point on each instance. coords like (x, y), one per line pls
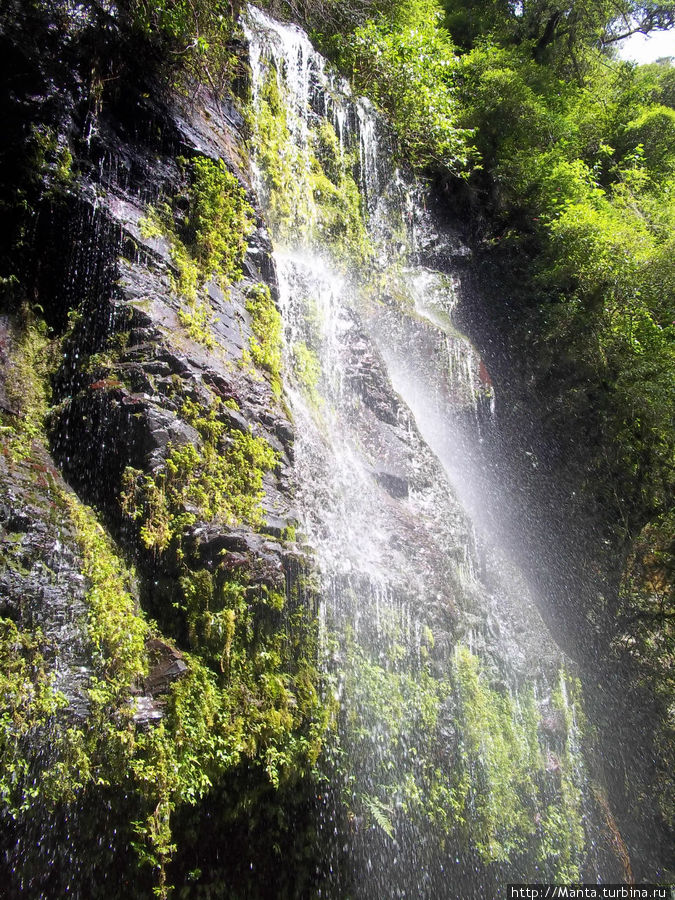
(26, 388)
(501, 758)
(28, 703)
(458, 757)
(208, 242)
(338, 218)
(116, 632)
(307, 370)
(221, 480)
(249, 697)
(265, 345)
(513, 814)
(287, 196)
(52, 159)
(218, 222)
(310, 190)
(197, 318)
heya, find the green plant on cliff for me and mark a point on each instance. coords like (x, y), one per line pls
(337, 216)
(286, 191)
(312, 188)
(566, 156)
(498, 791)
(29, 703)
(512, 812)
(193, 37)
(207, 242)
(220, 480)
(405, 61)
(307, 370)
(266, 342)
(248, 700)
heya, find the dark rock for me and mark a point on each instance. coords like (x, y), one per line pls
(395, 485)
(147, 712)
(367, 376)
(41, 584)
(167, 666)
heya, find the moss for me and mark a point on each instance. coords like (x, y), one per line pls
(265, 345)
(249, 698)
(220, 480)
(52, 159)
(27, 388)
(311, 189)
(338, 214)
(197, 318)
(459, 758)
(287, 196)
(28, 703)
(513, 813)
(218, 222)
(208, 242)
(307, 370)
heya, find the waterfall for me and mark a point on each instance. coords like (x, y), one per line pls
(456, 763)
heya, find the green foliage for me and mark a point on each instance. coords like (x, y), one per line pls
(207, 242)
(556, 33)
(26, 386)
(336, 216)
(311, 190)
(266, 341)
(28, 704)
(307, 370)
(194, 35)
(508, 793)
(653, 131)
(578, 189)
(407, 65)
(116, 632)
(248, 701)
(219, 220)
(280, 164)
(464, 759)
(219, 481)
(645, 635)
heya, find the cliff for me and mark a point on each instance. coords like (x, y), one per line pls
(260, 504)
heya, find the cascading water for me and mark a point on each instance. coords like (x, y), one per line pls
(456, 763)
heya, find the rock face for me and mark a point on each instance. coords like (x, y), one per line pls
(41, 585)
(164, 415)
(158, 404)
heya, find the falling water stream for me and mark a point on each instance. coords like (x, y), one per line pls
(456, 764)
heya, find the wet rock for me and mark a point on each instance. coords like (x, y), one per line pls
(553, 723)
(41, 585)
(395, 485)
(367, 376)
(166, 666)
(147, 712)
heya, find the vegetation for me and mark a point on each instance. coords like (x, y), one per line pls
(310, 188)
(266, 340)
(570, 152)
(403, 59)
(562, 156)
(207, 242)
(567, 156)
(194, 37)
(248, 696)
(566, 161)
(459, 757)
(221, 481)
(307, 370)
